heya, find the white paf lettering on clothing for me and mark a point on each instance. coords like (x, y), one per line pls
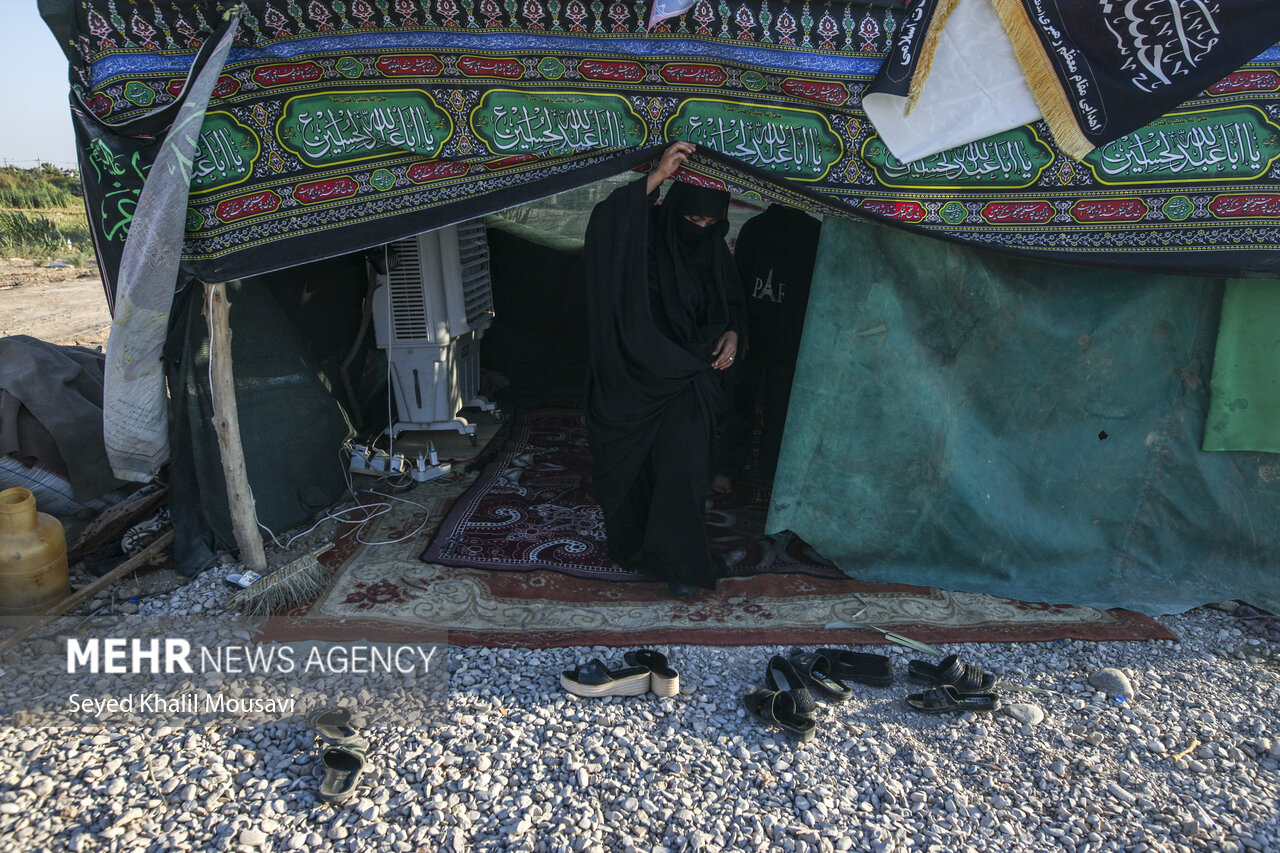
(767, 289)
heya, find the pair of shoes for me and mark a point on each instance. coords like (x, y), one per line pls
(788, 702)
(959, 687)
(646, 671)
(343, 755)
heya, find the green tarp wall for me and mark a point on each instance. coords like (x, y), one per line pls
(976, 422)
(1244, 412)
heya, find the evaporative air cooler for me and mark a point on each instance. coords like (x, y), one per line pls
(430, 310)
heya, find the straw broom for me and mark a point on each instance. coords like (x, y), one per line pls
(295, 583)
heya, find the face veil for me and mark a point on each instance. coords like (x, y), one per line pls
(691, 270)
(694, 243)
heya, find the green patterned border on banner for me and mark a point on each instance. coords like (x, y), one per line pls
(367, 121)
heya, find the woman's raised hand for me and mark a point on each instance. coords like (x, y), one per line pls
(672, 159)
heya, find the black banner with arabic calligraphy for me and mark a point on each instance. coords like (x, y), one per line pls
(1119, 65)
(341, 125)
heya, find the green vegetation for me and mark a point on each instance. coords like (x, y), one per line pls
(34, 189)
(42, 215)
(24, 236)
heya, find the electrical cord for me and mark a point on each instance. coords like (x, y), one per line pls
(373, 510)
(409, 535)
(383, 507)
(114, 603)
(270, 532)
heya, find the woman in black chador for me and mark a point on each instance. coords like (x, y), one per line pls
(665, 315)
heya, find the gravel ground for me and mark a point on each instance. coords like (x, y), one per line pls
(513, 763)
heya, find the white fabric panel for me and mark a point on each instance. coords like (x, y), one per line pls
(975, 89)
(135, 404)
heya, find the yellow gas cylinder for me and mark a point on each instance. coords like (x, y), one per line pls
(33, 559)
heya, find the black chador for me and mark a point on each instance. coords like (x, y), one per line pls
(661, 292)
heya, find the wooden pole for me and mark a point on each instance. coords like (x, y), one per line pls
(129, 566)
(114, 521)
(244, 514)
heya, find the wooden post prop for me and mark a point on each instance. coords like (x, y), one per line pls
(244, 515)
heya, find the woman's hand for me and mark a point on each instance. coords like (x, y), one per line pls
(726, 351)
(672, 159)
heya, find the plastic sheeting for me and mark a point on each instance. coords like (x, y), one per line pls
(1244, 413)
(976, 422)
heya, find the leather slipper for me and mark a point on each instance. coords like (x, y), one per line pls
(779, 709)
(663, 679)
(947, 700)
(815, 669)
(595, 679)
(343, 767)
(783, 677)
(862, 667)
(333, 725)
(964, 677)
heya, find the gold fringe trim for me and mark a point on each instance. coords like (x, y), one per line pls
(927, 49)
(1055, 106)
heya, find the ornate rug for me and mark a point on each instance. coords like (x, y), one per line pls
(385, 593)
(533, 508)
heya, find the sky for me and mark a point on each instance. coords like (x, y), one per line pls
(36, 123)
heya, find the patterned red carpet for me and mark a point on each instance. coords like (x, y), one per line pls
(386, 593)
(533, 508)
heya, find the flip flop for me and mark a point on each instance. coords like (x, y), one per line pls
(947, 700)
(780, 675)
(815, 669)
(862, 667)
(333, 725)
(663, 679)
(779, 709)
(964, 677)
(343, 767)
(595, 679)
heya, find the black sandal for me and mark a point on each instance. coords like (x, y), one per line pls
(862, 667)
(816, 670)
(783, 677)
(779, 709)
(594, 679)
(964, 677)
(333, 725)
(946, 700)
(664, 680)
(343, 766)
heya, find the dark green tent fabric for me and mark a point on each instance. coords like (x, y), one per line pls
(1245, 410)
(538, 342)
(976, 422)
(291, 426)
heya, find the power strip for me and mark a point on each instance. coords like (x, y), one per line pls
(377, 463)
(423, 473)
